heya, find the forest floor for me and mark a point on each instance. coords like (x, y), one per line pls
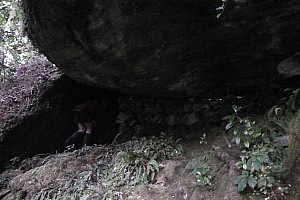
(46, 176)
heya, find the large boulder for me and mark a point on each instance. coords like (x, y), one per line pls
(167, 47)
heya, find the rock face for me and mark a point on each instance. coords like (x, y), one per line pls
(167, 47)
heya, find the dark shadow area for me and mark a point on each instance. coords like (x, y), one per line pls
(45, 132)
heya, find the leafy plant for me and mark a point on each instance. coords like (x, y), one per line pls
(137, 161)
(257, 169)
(140, 158)
(261, 157)
(23, 71)
(203, 139)
(201, 172)
(243, 129)
(131, 163)
(15, 161)
(15, 47)
(207, 155)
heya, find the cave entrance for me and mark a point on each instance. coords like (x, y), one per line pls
(105, 127)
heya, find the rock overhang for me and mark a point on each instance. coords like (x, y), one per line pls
(167, 48)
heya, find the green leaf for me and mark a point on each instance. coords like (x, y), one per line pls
(271, 180)
(252, 182)
(228, 126)
(246, 143)
(230, 118)
(256, 165)
(257, 134)
(248, 123)
(235, 108)
(249, 164)
(261, 182)
(242, 184)
(178, 140)
(237, 140)
(239, 178)
(263, 157)
(154, 164)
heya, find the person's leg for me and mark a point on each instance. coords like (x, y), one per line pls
(84, 121)
(77, 137)
(81, 127)
(89, 127)
(88, 134)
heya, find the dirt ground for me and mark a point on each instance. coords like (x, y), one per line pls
(174, 181)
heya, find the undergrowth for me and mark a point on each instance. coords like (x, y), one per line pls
(264, 158)
(199, 167)
(21, 88)
(109, 169)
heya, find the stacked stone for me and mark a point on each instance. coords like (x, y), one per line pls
(148, 116)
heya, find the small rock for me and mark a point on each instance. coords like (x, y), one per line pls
(190, 119)
(172, 120)
(201, 107)
(208, 114)
(122, 117)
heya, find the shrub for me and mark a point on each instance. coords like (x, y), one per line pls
(20, 91)
(261, 157)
